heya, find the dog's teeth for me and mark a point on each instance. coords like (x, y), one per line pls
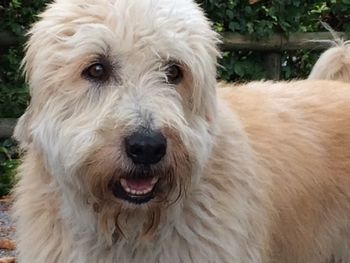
(154, 180)
(123, 183)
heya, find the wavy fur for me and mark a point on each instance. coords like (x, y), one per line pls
(254, 173)
(334, 63)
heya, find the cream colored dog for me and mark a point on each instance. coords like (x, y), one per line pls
(131, 156)
(334, 63)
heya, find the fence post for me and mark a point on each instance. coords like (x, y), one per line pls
(273, 65)
(6, 127)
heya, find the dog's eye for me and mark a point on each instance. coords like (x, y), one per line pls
(97, 71)
(174, 74)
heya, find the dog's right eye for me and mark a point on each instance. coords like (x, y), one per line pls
(174, 74)
(97, 72)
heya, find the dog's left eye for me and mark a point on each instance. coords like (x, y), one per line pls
(174, 74)
(97, 71)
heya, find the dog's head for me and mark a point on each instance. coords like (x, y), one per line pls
(123, 99)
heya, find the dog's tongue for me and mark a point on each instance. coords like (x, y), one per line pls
(140, 184)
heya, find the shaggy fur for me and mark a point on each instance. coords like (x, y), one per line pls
(256, 173)
(334, 63)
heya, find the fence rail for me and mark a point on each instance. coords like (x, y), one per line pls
(7, 39)
(6, 127)
(279, 42)
(232, 41)
(272, 47)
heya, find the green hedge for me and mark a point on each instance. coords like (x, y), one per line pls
(264, 18)
(8, 164)
(16, 17)
(259, 20)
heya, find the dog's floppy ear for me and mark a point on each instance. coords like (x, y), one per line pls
(22, 131)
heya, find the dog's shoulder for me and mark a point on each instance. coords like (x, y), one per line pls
(296, 119)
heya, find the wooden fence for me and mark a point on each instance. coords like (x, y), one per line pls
(272, 47)
(6, 127)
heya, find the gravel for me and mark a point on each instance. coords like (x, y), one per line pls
(6, 226)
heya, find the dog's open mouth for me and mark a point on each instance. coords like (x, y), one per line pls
(136, 190)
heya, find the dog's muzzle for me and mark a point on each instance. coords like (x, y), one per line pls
(145, 149)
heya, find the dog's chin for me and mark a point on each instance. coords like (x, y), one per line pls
(136, 189)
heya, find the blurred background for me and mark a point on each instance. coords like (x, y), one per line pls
(262, 39)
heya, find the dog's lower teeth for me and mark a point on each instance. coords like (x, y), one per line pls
(124, 184)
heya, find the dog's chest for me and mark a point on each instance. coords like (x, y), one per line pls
(176, 249)
(183, 243)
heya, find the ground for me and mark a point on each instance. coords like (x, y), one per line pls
(7, 247)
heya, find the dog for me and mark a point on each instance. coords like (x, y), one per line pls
(132, 153)
(333, 63)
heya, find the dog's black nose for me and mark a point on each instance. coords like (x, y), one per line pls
(146, 147)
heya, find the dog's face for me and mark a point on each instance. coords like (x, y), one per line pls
(123, 98)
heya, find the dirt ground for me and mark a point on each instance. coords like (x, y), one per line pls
(7, 246)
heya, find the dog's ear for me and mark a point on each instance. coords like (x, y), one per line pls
(22, 131)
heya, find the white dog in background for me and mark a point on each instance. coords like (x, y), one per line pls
(333, 63)
(132, 154)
